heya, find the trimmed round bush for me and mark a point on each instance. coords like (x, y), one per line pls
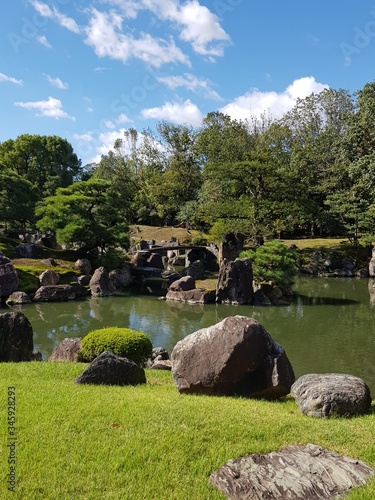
(121, 341)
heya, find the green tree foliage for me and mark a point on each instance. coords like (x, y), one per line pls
(86, 214)
(17, 201)
(274, 262)
(48, 162)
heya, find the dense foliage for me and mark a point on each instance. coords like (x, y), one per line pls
(310, 173)
(124, 342)
(273, 262)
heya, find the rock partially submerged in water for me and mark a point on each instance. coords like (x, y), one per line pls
(295, 472)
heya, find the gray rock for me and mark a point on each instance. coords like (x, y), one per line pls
(8, 277)
(235, 282)
(331, 394)
(371, 267)
(28, 251)
(196, 270)
(109, 369)
(183, 284)
(54, 293)
(162, 365)
(196, 296)
(83, 266)
(295, 473)
(121, 278)
(234, 357)
(100, 284)
(67, 350)
(18, 298)
(16, 337)
(49, 277)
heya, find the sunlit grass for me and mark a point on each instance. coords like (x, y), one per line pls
(148, 442)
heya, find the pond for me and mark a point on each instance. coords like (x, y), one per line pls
(328, 327)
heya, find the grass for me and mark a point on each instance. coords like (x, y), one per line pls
(164, 233)
(148, 442)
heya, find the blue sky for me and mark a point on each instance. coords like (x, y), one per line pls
(86, 71)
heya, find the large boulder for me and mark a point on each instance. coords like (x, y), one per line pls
(235, 282)
(110, 369)
(234, 357)
(54, 293)
(83, 266)
(295, 472)
(183, 284)
(8, 277)
(16, 337)
(100, 284)
(67, 350)
(28, 251)
(331, 394)
(49, 277)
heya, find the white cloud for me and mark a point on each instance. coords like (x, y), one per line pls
(51, 108)
(185, 113)
(202, 29)
(10, 79)
(56, 82)
(191, 83)
(52, 13)
(43, 41)
(122, 118)
(198, 25)
(104, 34)
(85, 137)
(256, 102)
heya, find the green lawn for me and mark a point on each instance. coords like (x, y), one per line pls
(147, 442)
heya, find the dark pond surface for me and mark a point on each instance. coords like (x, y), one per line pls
(328, 327)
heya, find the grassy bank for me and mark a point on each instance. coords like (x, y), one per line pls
(148, 442)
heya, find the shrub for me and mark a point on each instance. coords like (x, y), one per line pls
(274, 262)
(121, 341)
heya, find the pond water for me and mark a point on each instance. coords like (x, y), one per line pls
(328, 327)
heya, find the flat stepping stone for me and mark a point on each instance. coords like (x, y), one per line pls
(294, 473)
(331, 394)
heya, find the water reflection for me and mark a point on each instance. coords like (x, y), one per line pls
(328, 327)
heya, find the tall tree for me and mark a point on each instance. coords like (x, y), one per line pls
(48, 162)
(86, 214)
